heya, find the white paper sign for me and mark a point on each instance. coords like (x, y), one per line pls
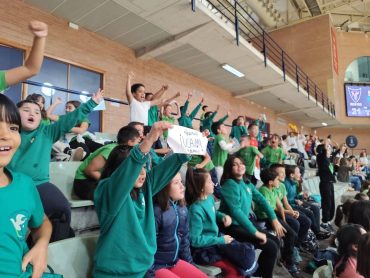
(186, 140)
(100, 106)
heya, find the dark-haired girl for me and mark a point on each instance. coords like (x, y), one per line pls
(348, 237)
(236, 259)
(123, 201)
(237, 202)
(173, 256)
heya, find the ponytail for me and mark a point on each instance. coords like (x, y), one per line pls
(338, 216)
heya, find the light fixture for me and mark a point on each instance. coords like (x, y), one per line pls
(232, 70)
(324, 124)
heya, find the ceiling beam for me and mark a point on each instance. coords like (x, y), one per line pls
(295, 111)
(167, 44)
(257, 91)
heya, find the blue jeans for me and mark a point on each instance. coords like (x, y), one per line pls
(356, 181)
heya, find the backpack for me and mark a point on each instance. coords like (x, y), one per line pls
(311, 243)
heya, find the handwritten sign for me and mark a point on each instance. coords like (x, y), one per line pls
(186, 140)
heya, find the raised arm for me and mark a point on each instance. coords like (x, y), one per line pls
(223, 119)
(160, 92)
(161, 102)
(129, 95)
(51, 108)
(34, 61)
(196, 110)
(81, 129)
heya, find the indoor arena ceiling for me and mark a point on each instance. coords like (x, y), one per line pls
(198, 43)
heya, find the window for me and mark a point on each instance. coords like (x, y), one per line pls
(67, 76)
(358, 71)
(12, 57)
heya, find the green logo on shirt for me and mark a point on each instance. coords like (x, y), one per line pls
(19, 223)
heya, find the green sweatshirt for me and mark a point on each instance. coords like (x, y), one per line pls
(33, 155)
(207, 122)
(237, 197)
(3, 85)
(186, 121)
(237, 131)
(203, 227)
(127, 241)
(152, 115)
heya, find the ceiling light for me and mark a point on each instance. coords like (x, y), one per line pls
(324, 124)
(232, 70)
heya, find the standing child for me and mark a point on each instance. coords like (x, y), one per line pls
(209, 246)
(166, 115)
(33, 156)
(270, 179)
(33, 63)
(221, 148)
(205, 110)
(153, 112)
(209, 116)
(238, 130)
(186, 119)
(273, 153)
(123, 201)
(253, 131)
(173, 257)
(21, 207)
(249, 154)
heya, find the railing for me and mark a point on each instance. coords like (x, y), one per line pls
(249, 29)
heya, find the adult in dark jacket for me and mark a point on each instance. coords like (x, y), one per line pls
(173, 254)
(327, 180)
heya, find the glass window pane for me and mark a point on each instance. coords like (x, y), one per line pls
(12, 57)
(52, 72)
(84, 80)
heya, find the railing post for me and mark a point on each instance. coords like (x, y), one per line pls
(264, 48)
(308, 88)
(316, 94)
(193, 5)
(296, 76)
(236, 23)
(283, 64)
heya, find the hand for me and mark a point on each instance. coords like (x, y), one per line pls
(202, 100)
(58, 100)
(190, 95)
(227, 220)
(98, 96)
(165, 87)
(218, 107)
(305, 195)
(261, 236)
(228, 113)
(278, 228)
(228, 239)
(299, 202)
(178, 94)
(38, 28)
(130, 75)
(198, 166)
(206, 133)
(37, 256)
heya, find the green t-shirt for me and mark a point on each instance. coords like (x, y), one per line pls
(249, 155)
(280, 191)
(197, 159)
(219, 155)
(103, 151)
(271, 198)
(3, 85)
(21, 208)
(273, 155)
(152, 115)
(171, 120)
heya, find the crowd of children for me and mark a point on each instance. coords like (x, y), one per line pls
(143, 204)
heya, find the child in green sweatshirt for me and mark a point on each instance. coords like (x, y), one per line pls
(123, 201)
(186, 119)
(33, 155)
(205, 238)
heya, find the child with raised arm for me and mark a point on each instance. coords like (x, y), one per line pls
(21, 206)
(123, 201)
(238, 130)
(210, 247)
(33, 156)
(186, 119)
(139, 107)
(33, 63)
(209, 116)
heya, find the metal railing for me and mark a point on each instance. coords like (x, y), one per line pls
(249, 29)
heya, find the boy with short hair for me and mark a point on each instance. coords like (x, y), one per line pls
(273, 153)
(249, 154)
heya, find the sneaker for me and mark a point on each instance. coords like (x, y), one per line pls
(293, 270)
(323, 235)
(328, 227)
(296, 257)
(77, 154)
